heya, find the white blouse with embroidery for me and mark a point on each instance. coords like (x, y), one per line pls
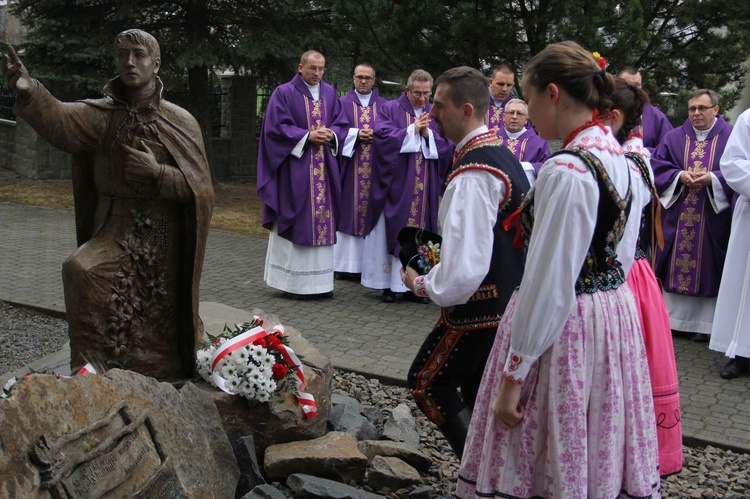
(565, 207)
(467, 215)
(641, 196)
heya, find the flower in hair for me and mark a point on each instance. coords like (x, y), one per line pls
(601, 61)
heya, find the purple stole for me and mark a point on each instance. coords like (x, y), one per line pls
(365, 117)
(495, 113)
(322, 222)
(516, 146)
(683, 276)
(417, 213)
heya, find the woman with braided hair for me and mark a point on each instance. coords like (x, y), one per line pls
(564, 408)
(628, 103)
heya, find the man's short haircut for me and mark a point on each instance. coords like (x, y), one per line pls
(705, 91)
(518, 101)
(306, 55)
(419, 75)
(628, 70)
(502, 68)
(141, 38)
(466, 84)
(364, 64)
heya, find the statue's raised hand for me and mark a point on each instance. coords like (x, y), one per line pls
(16, 76)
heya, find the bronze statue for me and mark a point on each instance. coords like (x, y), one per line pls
(143, 202)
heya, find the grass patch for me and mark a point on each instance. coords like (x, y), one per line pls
(236, 209)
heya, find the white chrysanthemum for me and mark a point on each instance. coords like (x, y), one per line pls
(258, 352)
(263, 396)
(234, 383)
(267, 360)
(227, 371)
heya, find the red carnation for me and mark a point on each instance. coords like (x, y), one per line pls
(273, 342)
(260, 342)
(279, 371)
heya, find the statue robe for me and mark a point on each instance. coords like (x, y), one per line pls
(132, 286)
(695, 221)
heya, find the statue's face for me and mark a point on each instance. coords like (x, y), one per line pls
(135, 65)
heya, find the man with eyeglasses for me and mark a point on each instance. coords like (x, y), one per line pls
(501, 86)
(410, 163)
(298, 180)
(361, 106)
(696, 217)
(530, 149)
(655, 124)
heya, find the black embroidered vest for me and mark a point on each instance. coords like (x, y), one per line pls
(601, 270)
(486, 306)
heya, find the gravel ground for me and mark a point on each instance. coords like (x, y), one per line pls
(708, 472)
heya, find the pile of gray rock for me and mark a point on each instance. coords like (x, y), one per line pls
(374, 442)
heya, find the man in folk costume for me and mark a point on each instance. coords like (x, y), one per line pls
(530, 149)
(361, 106)
(479, 266)
(655, 124)
(696, 217)
(143, 202)
(298, 180)
(411, 161)
(731, 328)
(501, 86)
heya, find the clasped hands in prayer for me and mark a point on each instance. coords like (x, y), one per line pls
(320, 136)
(422, 124)
(695, 179)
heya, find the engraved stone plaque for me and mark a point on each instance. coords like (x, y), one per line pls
(117, 456)
(116, 435)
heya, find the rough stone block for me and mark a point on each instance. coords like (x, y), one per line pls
(334, 456)
(121, 433)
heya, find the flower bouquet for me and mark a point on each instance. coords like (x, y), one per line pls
(420, 249)
(251, 362)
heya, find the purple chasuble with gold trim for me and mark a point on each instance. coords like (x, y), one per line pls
(300, 194)
(695, 236)
(356, 172)
(528, 147)
(406, 187)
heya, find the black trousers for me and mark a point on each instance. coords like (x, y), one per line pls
(449, 359)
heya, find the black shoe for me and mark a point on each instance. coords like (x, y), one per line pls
(388, 296)
(700, 337)
(314, 296)
(735, 367)
(455, 430)
(409, 296)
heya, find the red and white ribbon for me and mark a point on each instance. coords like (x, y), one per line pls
(306, 400)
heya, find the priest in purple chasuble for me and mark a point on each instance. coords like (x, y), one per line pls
(410, 164)
(528, 147)
(696, 217)
(360, 105)
(298, 180)
(501, 85)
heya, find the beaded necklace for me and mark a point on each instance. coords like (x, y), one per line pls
(581, 128)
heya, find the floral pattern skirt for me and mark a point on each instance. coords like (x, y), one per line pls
(588, 429)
